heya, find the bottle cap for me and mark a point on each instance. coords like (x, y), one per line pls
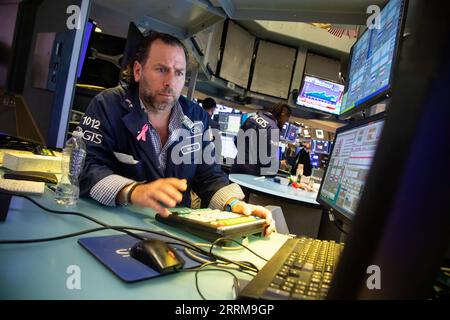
(77, 133)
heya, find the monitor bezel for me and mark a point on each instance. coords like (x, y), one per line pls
(385, 93)
(344, 216)
(313, 109)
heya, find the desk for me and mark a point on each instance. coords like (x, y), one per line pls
(38, 271)
(301, 210)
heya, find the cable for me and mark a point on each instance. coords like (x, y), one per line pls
(123, 229)
(333, 218)
(66, 212)
(236, 284)
(232, 240)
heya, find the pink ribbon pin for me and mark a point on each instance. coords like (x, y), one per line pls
(142, 135)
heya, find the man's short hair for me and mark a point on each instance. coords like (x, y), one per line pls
(141, 54)
(209, 104)
(280, 108)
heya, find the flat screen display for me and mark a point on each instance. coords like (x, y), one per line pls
(321, 95)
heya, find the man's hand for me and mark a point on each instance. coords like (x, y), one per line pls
(162, 192)
(259, 211)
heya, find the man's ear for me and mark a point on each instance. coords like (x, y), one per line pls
(137, 71)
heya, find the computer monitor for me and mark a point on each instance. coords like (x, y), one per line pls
(283, 130)
(321, 146)
(372, 60)
(89, 28)
(230, 122)
(229, 149)
(319, 134)
(321, 95)
(134, 38)
(292, 132)
(344, 180)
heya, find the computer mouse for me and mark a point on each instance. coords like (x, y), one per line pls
(158, 255)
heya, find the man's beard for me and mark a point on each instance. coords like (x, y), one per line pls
(151, 103)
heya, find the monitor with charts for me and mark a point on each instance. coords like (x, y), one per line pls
(321, 95)
(372, 61)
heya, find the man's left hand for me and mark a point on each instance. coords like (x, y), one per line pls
(259, 211)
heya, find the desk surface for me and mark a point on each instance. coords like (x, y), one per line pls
(38, 270)
(268, 186)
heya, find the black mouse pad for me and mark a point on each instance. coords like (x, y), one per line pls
(113, 252)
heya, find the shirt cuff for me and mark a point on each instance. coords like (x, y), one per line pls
(106, 190)
(224, 194)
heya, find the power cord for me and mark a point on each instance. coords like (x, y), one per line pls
(333, 219)
(123, 229)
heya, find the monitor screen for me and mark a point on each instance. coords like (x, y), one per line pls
(229, 149)
(319, 134)
(349, 165)
(230, 122)
(321, 95)
(372, 60)
(283, 130)
(85, 44)
(292, 132)
(320, 146)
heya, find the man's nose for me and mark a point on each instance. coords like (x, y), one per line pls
(169, 79)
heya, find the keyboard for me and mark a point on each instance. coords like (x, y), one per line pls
(301, 269)
(22, 186)
(213, 224)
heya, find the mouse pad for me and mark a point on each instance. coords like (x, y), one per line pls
(113, 252)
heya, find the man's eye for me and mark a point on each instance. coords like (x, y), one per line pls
(180, 73)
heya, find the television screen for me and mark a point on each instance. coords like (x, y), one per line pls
(319, 134)
(321, 95)
(283, 130)
(372, 60)
(230, 122)
(321, 146)
(292, 132)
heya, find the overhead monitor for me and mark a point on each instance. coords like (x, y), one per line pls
(321, 95)
(283, 130)
(292, 132)
(319, 134)
(372, 60)
(320, 146)
(349, 165)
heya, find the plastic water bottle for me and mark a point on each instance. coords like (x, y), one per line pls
(74, 154)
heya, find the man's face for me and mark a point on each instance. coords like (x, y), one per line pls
(161, 77)
(283, 118)
(307, 145)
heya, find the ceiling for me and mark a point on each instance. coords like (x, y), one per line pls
(271, 20)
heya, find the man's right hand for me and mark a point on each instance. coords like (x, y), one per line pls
(159, 193)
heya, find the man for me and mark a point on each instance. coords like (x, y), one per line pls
(209, 105)
(136, 135)
(304, 159)
(258, 132)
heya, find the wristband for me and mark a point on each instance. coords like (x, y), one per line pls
(231, 204)
(131, 189)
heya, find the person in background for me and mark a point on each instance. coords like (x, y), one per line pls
(133, 131)
(264, 122)
(209, 105)
(303, 157)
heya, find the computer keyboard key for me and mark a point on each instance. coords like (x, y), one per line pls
(278, 280)
(304, 275)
